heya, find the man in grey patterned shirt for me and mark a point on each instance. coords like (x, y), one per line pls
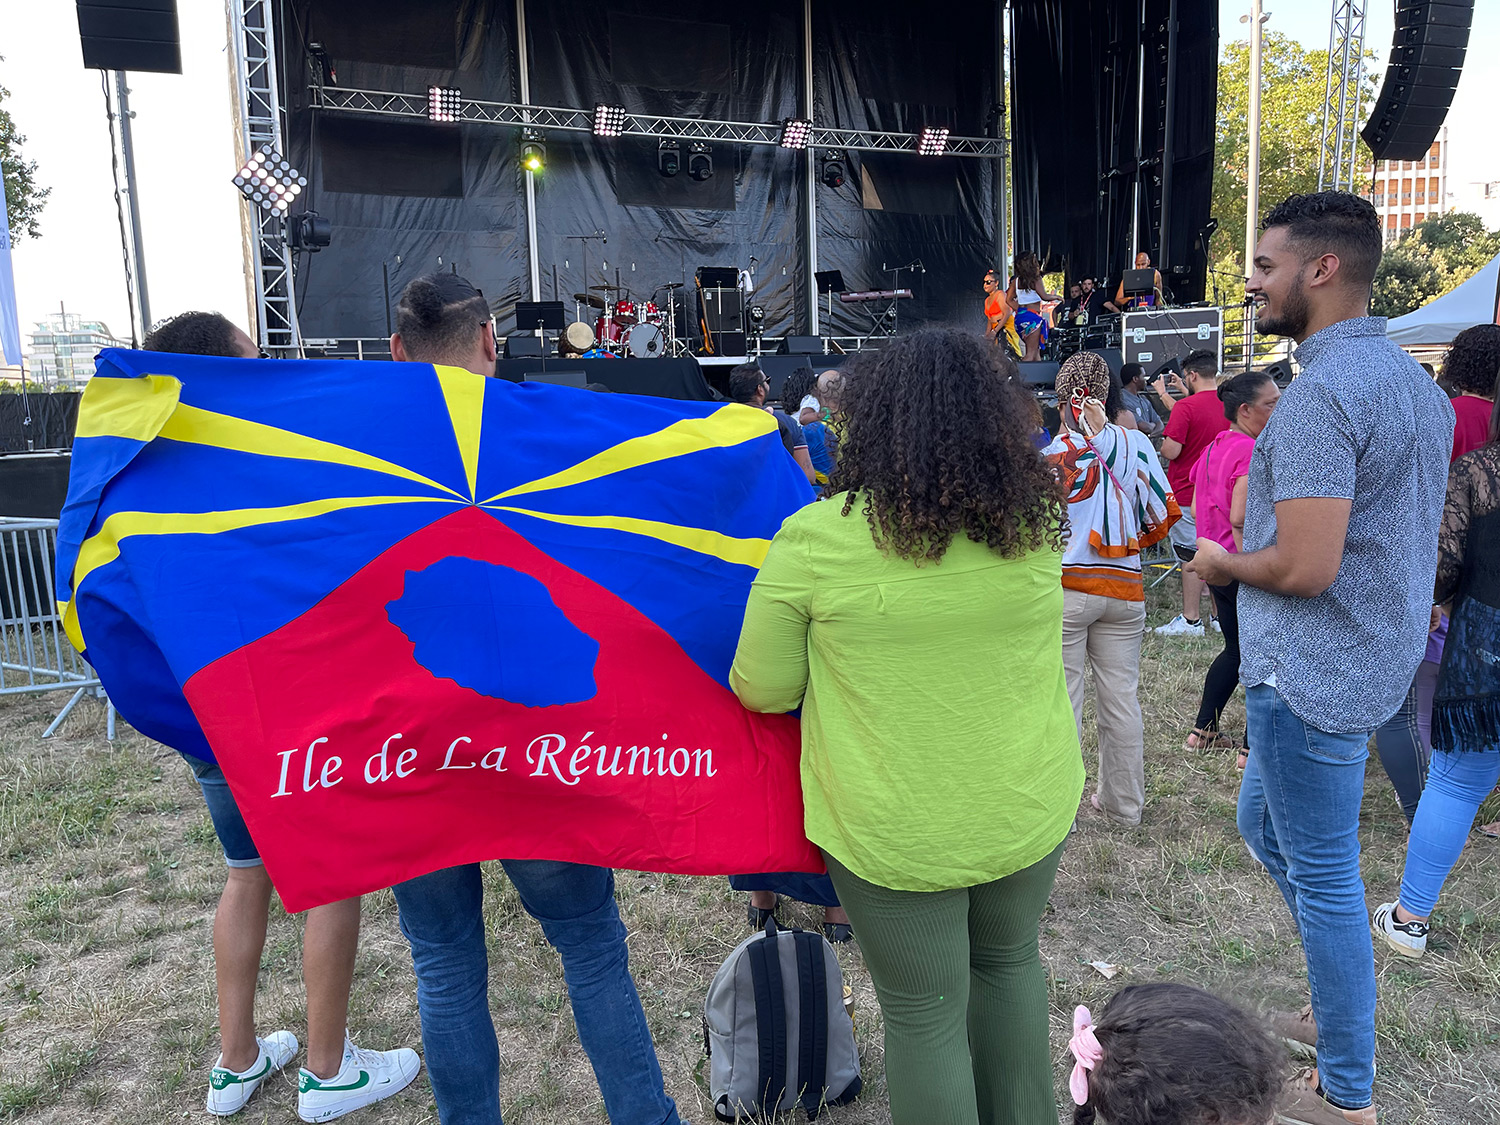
(1346, 489)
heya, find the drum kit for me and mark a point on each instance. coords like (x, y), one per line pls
(624, 327)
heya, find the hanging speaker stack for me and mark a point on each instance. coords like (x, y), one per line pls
(1427, 56)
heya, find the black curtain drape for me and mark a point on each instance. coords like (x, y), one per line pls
(1079, 101)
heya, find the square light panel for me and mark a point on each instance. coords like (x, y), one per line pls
(933, 141)
(268, 181)
(795, 132)
(609, 120)
(444, 103)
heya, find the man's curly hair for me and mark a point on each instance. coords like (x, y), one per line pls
(938, 442)
(1473, 363)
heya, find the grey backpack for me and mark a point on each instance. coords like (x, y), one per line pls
(776, 1030)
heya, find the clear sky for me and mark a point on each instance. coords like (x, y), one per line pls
(187, 151)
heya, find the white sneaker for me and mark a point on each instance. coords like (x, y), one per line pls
(1217, 627)
(1179, 626)
(1407, 938)
(364, 1078)
(229, 1090)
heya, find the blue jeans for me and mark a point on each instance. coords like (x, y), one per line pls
(1457, 783)
(1299, 813)
(229, 825)
(441, 917)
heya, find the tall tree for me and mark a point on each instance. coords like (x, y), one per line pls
(1438, 255)
(23, 197)
(1293, 89)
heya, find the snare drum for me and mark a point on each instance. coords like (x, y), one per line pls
(625, 313)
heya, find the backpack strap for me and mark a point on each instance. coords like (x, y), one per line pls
(812, 996)
(770, 1017)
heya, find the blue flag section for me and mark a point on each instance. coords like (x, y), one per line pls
(10, 325)
(422, 617)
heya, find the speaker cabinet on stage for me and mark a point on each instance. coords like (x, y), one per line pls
(1427, 57)
(800, 345)
(1158, 336)
(523, 345)
(723, 315)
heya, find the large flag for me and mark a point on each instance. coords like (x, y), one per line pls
(422, 618)
(10, 327)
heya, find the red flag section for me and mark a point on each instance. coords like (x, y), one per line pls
(357, 767)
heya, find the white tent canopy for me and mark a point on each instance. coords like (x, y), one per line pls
(1437, 322)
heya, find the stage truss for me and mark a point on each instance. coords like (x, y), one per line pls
(261, 112)
(1346, 68)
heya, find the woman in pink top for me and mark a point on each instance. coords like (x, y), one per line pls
(1219, 488)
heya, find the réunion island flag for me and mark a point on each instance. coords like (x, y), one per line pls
(422, 618)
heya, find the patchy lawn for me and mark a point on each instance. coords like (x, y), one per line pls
(111, 874)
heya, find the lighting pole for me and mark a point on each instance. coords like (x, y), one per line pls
(1256, 19)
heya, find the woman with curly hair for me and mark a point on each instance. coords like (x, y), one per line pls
(1471, 369)
(915, 617)
(1119, 502)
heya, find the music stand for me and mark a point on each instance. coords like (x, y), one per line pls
(830, 282)
(534, 315)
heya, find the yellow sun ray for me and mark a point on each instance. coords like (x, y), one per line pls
(463, 393)
(747, 552)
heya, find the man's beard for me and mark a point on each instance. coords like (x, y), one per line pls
(1293, 318)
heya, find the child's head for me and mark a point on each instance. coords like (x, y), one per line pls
(1169, 1054)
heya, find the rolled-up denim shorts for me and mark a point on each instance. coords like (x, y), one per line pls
(229, 825)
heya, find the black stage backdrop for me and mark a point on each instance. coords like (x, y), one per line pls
(452, 196)
(1075, 74)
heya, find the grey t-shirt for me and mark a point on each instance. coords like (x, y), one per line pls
(1362, 422)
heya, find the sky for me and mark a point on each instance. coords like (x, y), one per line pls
(187, 151)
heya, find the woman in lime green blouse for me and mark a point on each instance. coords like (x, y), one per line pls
(916, 618)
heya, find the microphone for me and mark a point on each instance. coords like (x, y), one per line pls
(753, 259)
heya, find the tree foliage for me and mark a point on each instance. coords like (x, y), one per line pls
(1293, 90)
(23, 197)
(1438, 255)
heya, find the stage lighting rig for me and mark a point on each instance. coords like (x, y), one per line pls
(795, 132)
(933, 141)
(668, 158)
(309, 231)
(831, 168)
(444, 103)
(701, 161)
(533, 150)
(609, 120)
(268, 180)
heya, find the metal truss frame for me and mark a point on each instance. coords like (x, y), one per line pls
(389, 103)
(258, 108)
(1346, 67)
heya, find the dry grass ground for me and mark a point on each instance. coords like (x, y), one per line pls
(111, 873)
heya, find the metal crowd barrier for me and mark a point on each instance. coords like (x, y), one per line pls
(35, 653)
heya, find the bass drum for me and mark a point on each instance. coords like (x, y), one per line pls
(645, 341)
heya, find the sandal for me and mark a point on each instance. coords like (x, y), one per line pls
(1208, 740)
(838, 932)
(757, 916)
(1242, 758)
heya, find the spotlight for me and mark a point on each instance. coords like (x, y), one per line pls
(933, 141)
(444, 104)
(533, 150)
(609, 120)
(266, 179)
(831, 169)
(309, 231)
(795, 132)
(700, 161)
(668, 158)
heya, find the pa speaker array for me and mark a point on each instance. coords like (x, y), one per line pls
(1427, 56)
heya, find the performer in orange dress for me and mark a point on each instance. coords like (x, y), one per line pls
(998, 312)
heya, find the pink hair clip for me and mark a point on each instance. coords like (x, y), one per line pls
(1087, 1052)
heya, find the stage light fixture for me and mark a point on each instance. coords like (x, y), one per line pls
(795, 132)
(533, 150)
(831, 169)
(609, 120)
(444, 103)
(700, 161)
(309, 231)
(933, 141)
(268, 181)
(668, 158)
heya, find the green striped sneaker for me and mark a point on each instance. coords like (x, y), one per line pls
(229, 1090)
(364, 1078)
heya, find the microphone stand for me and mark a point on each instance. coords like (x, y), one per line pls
(585, 239)
(892, 311)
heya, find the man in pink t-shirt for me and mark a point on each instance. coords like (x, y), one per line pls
(1192, 423)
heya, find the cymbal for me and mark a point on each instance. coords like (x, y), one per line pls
(590, 300)
(607, 288)
(671, 285)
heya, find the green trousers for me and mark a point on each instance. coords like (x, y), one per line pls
(962, 994)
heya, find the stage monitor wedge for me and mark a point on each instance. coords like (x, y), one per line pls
(1427, 57)
(139, 35)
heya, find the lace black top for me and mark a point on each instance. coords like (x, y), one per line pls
(1466, 706)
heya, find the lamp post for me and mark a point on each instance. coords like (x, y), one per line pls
(1256, 19)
